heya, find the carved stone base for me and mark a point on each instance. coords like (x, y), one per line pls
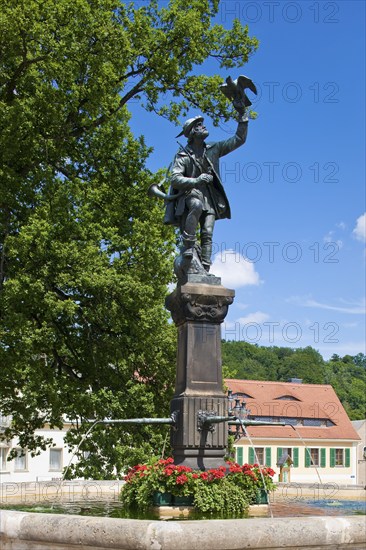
(199, 302)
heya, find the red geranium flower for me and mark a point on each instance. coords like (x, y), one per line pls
(216, 473)
(183, 469)
(181, 480)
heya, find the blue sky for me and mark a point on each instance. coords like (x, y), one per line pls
(294, 250)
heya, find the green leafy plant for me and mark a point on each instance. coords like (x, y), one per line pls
(225, 490)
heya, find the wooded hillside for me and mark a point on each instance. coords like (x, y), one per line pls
(346, 374)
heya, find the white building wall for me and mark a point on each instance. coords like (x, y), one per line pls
(341, 475)
(38, 468)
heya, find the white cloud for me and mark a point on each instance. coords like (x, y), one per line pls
(255, 317)
(346, 348)
(358, 308)
(329, 238)
(240, 305)
(246, 328)
(171, 287)
(360, 229)
(234, 270)
(341, 225)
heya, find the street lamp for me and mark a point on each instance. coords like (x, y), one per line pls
(239, 410)
(244, 412)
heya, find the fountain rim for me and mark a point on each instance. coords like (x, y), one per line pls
(71, 531)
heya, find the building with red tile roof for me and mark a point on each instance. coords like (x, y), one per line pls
(318, 435)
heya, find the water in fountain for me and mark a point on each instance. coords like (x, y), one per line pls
(245, 431)
(72, 456)
(308, 451)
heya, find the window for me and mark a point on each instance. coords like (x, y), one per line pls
(5, 421)
(256, 455)
(287, 398)
(292, 421)
(340, 457)
(293, 453)
(56, 459)
(287, 450)
(3, 455)
(20, 461)
(312, 422)
(242, 395)
(259, 455)
(263, 457)
(314, 455)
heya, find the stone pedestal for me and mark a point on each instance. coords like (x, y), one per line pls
(198, 310)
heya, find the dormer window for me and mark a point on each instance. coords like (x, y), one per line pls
(287, 398)
(242, 395)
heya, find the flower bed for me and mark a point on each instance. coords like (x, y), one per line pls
(225, 490)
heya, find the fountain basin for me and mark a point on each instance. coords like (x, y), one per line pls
(32, 531)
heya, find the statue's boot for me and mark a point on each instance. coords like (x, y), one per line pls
(206, 247)
(189, 242)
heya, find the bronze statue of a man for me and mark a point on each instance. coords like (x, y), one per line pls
(196, 197)
(195, 172)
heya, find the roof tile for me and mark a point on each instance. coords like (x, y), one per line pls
(314, 401)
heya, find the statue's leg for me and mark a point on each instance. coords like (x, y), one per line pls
(207, 227)
(194, 206)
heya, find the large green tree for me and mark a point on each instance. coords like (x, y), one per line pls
(84, 258)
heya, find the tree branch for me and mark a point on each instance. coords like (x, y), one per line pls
(103, 118)
(11, 85)
(64, 366)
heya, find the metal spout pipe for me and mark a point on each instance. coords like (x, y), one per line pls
(233, 421)
(169, 420)
(215, 419)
